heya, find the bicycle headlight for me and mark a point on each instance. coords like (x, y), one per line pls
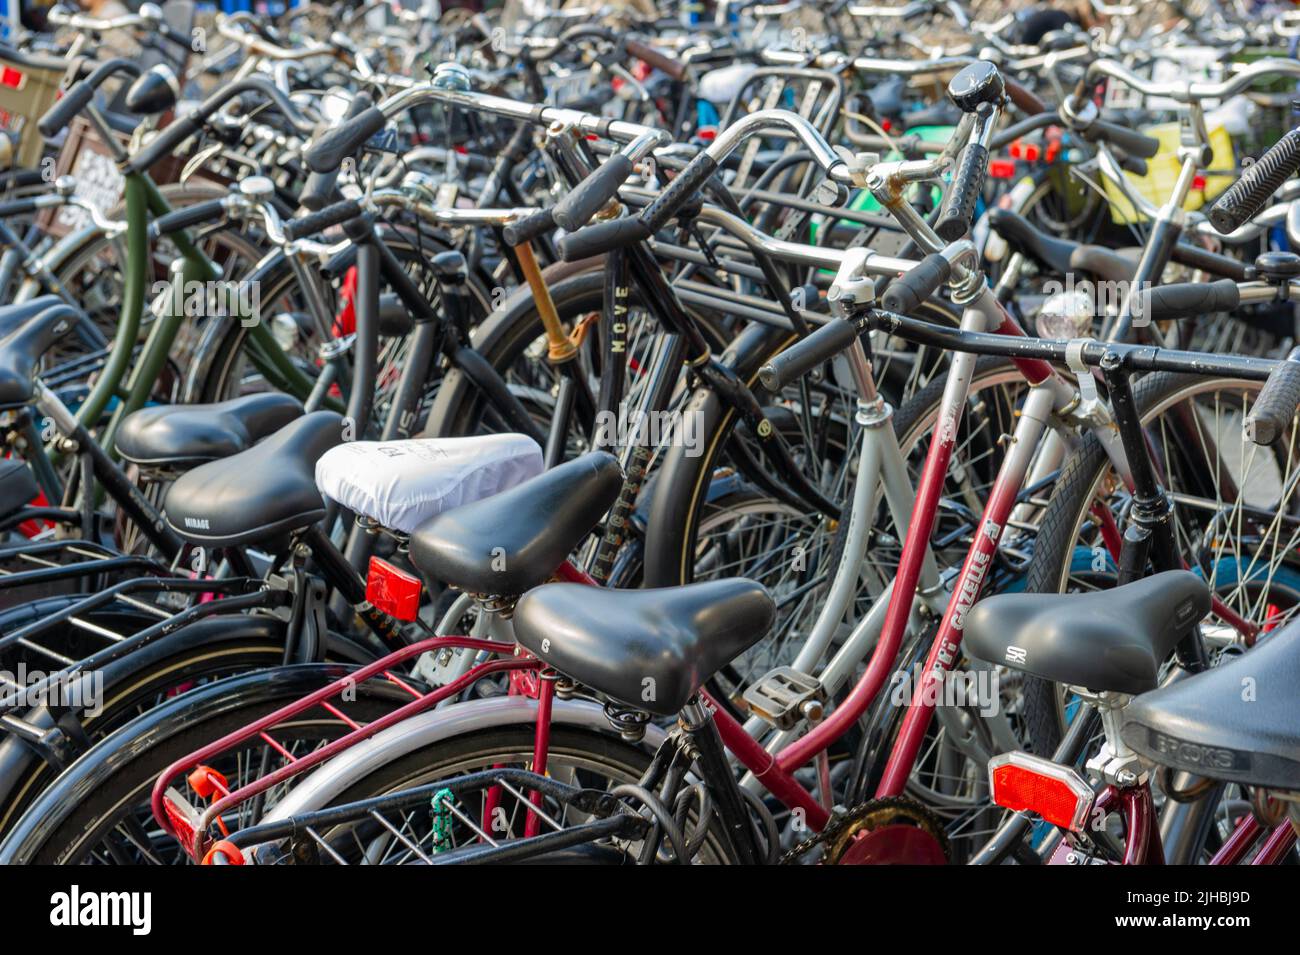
(1066, 314)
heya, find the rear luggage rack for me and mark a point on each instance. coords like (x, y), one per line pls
(198, 831)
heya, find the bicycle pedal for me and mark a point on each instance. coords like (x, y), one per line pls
(779, 696)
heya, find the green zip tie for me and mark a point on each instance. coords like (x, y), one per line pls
(442, 820)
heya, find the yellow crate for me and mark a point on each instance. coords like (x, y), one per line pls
(1162, 172)
(27, 89)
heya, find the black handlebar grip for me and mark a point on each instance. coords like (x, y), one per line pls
(189, 217)
(1133, 164)
(1247, 195)
(184, 127)
(592, 194)
(78, 97)
(73, 101)
(529, 227)
(808, 353)
(967, 183)
(679, 192)
(318, 190)
(1277, 404)
(1189, 300)
(329, 150)
(917, 284)
(603, 237)
(335, 214)
(1136, 144)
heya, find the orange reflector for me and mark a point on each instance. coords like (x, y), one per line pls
(205, 781)
(229, 851)
(393, 591)
(1021, 782)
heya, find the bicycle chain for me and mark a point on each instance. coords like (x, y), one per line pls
(839, 821)
(843, 820)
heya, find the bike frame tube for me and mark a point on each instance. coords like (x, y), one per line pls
(1277, 845)
(133, 294)
(541, 746)
(1141, 835)
(1234, 849)
(915, 544)
(946, 649)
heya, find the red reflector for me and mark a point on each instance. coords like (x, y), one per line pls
(393, 591)
(1022, 782)
(181, 817)
(707, 134)
(886, 125)
(1198, 183)
(1032, 152)
(1014, 149)
(1001, 168)
(12, 78)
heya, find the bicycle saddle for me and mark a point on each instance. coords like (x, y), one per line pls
(13, 317)
(650, 649)
(182, 436)
(21, 351)
(1060, 255)
(256, 495)
(17, 485)
(1107, 640)
(513, 541)
(401, 484)
(1238, 722)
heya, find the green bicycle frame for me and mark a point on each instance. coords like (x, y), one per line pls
(142, 200)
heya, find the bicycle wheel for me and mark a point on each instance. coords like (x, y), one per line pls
(98, 810)
(746, 532)
(577, 756)
(93, 275)
(1234, 506)
(223, 369)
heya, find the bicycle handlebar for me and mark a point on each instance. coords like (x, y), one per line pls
(60, 16)
(77, 97)
(1195, 90)
(1245, 197)
(1278, 402)
(186, 126)
(914, 286)
(803, 356)
(345, 139)
(227, 27)
(1190, 299)
(331, 215)
(319, 187)
(591, 195)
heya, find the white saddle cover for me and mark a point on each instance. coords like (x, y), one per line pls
(401, 484)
